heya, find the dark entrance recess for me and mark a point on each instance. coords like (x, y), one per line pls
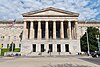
(34, 47)
(42, 47)
(67, 47)
(58, 48)
(50, 47)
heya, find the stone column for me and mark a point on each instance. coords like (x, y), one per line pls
(62, 30)
(72, 32)
(69, 30)
(31, 31)
(46, 31)
(39, 30)
(25, 32)
(76, 32)
(54, 30)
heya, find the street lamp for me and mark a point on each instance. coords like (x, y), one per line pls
(87, 40)
(97, 37)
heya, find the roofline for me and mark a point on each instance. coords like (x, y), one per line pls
(86, 21)
(50, 8)
(78, 20)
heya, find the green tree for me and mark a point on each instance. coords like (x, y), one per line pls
(93, 44)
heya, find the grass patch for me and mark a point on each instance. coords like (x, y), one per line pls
(7, 50)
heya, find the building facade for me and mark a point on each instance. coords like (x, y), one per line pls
(49, 31)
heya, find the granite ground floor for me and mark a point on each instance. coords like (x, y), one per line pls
(50, 47)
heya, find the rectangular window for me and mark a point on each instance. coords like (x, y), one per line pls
(2, 38)
(14, 37)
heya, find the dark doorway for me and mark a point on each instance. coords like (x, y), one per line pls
(50, 47)
(67, 47)
(42, 47)
(34, 47)
(58, 48)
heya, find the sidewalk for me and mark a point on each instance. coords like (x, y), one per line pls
(46, 62)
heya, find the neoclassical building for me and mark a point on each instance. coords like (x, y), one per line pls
(48, 31)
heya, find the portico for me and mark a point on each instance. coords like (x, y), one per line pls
(51, 29)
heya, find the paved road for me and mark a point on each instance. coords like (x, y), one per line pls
(92, 60)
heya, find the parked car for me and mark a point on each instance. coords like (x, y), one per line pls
(95, 54)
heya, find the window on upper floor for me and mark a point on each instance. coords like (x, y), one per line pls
(14, 37)
(2, 37)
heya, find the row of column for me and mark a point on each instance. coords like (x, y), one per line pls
(39, 35)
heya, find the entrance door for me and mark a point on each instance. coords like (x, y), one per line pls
(42, 47)
(34, 47)
(67, 47)
(58, 48)
(50, 47)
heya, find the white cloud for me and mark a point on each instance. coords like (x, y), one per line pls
(87, 9)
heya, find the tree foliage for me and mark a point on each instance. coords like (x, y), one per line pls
(93, 44)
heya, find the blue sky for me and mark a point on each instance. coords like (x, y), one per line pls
(12, 9)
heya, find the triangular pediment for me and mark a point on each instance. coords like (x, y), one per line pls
(50, 12)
